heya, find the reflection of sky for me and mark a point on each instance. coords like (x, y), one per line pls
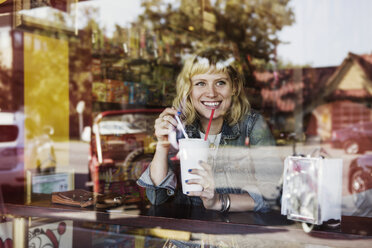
(115, 12)
(325, 31)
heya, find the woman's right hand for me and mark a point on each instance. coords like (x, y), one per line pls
(164, 125)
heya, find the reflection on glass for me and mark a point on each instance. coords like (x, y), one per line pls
(354, 139)
(6, 236)
(121, 148)
(51, 234)
(11, 148)
(126, 55)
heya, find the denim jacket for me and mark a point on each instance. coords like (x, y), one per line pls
(252, 131)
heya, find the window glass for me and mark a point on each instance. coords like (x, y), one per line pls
(84, 86)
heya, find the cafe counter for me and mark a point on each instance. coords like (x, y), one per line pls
(168, 225)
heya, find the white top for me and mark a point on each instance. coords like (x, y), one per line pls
(213, 140)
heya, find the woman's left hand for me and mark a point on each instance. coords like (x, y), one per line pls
(208, 195)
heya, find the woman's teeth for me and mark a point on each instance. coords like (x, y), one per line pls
(211, 104)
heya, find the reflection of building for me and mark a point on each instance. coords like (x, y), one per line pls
(350, 88)
(330, 98)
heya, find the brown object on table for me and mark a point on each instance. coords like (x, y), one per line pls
(76, 197)
(84, 198)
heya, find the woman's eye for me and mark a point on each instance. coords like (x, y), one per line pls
(221, 82)
(199, 84)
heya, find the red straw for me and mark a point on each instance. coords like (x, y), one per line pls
(209, 125)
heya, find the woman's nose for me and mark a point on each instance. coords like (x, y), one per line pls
(211, 91)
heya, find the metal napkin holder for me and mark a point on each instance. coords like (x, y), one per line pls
(312, 189)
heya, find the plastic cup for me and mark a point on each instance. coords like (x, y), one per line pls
(191, 152)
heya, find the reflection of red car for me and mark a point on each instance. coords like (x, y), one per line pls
(122, 146)
(354, 139)
(360, 174)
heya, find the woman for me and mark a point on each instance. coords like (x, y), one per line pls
(208, 80)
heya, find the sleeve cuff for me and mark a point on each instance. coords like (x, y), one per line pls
(259, 203)
(169, 182)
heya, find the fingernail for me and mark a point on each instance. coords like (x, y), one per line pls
(189, 170)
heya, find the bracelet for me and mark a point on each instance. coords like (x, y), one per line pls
(226, 202)
(223, 204)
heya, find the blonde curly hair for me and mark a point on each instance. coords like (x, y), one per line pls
(211, 61)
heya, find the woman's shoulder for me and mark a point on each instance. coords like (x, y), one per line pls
(256, 127)
(253, 120)
(252, 116)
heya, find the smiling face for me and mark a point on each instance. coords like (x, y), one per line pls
(196, 97)
(211, 91)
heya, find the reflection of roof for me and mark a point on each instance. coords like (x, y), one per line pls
(358, 93)
(365, 62)
(285, 89)
(367, 58)
(332, 90)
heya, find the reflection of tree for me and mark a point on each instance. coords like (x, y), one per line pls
(80, 60)
(5, 88)
(80, 81)
(250, 27)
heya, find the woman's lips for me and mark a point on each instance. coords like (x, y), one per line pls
(212, 104)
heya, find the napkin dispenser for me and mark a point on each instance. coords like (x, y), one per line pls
(312, 189)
